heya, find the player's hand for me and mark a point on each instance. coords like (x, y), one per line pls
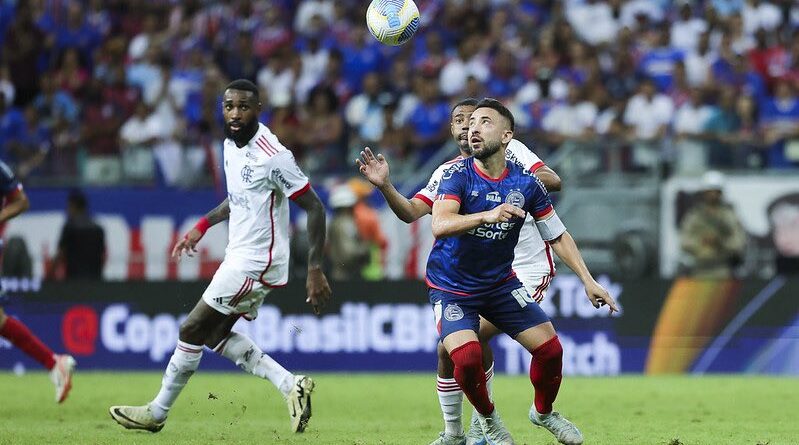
(374, 168)
(600, 297)
(187, 244)
(318, 289)
(503, 213)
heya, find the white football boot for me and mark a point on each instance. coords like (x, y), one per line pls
(447, 439)
(494, 430)
(136, 418)
(559, 426)
(61, 376)
(299, 402)
(475, 435)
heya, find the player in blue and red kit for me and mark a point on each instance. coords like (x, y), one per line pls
(477, 215)
(14, 201)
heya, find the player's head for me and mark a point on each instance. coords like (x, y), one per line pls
(490, 128)
(459, 124)
(77, 203)
(241, 105)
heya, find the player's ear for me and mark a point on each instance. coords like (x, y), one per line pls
(507, 136)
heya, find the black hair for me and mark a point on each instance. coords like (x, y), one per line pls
(468, 102)
(244, 85)
(78, 200)
(501, 109)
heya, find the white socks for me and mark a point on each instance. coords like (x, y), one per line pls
(450, 397)
(182, 365)
(249, 357)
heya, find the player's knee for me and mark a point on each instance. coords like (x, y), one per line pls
(191, 332)
(550, 350)
(467, 356)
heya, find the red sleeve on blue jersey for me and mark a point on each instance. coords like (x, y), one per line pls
(540, 205)
(453, 183)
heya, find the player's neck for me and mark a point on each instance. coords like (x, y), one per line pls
(492, 166)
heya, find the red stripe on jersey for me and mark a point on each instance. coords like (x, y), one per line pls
(189, 350)
(265, 148)
(536, 166)
(300, 192)
(424, 199)
(272, 244)
(543, 212)
(269, 146)
(549, 258)
(452, 197)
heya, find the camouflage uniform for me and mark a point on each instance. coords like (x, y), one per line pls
(713, 240)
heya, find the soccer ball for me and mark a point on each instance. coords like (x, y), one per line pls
(392, 22)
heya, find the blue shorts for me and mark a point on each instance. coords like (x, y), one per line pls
(511, 309)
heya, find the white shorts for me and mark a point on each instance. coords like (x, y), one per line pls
(536, 285)
(234, 291)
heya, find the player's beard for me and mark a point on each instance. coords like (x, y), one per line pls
(489, 148)
(244, 135)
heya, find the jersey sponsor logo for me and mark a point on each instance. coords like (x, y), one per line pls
(495, 231)
(454, 168)
(510, 156)
(432, 186)
(515, 198)
(277, 176)
(238, 201)
(246, 174)
(493, 197)
(453, 312)
(251, 156)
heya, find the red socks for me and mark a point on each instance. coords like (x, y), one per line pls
(545, 374)
(469, 373)
(20, 336)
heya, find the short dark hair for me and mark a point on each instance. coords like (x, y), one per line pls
(244, 85)
(78, 200)
(501, 109)
(468, 102)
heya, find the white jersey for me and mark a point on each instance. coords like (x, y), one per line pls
(261, 177)
(532, 256)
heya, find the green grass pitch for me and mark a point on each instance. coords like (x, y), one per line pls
(356, 409)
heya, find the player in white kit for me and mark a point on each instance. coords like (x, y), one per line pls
(261, 177)
(532, 262)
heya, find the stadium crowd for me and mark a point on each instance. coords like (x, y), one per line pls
(129, 90)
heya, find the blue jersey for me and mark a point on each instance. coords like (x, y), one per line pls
(479, 261)
(8, 181)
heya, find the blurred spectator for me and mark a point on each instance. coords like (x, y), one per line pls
(505, 79)
(237, 62)
(368, 222)
(71, 76)
(361, 56)
(278, 76)
(687, 29)
(429, 121)
(594, 21)
(6, 85)
(759, 14)
(571, 121)
(12, 123)
(34, 143)
(78, 33)
(659, 62)
(649, 115)
(468, 62)
(24, 48)
(711, 234)
(56, 108)
(722, 123)
(780, 119)
(81, 246)
(699, 61)
(689, 126)
(322, 132)
(347, 251)
(783, 215)
(364, 112)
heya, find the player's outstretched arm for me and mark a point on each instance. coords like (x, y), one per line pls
(16, 203)
(550, 179)
(566, 249)
(375, 169)
(448, 222)
(316, 284)
(188, 244)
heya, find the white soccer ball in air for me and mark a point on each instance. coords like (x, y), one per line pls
(392, 22)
